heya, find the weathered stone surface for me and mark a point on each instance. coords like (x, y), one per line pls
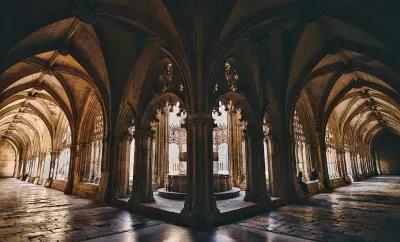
(365, 211)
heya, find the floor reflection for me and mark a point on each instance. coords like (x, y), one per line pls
(365, 211)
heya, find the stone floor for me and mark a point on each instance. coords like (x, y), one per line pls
(176, 206)
(365, 211)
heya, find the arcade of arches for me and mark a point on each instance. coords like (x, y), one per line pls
(198, 101)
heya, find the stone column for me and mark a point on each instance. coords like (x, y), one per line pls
(142, 183)
(73, 174)
(161, 164)
(273, 167)
(323, 174)
(122, 165)
(41, 158)
(83, 156)
(235, 155)
(200, 201)
(35, 165)
(256, 190)
(275, 183)
(375, 163)
(296, 157)
(18, 168)
(52, 170)
(343, 166)
(307, 169)
(23, 168)
(99, 161)
(87, 162)
(355, 165)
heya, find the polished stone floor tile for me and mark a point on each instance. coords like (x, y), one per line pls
(368, 210)
(365, 211)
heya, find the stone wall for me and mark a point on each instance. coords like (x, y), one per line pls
(59, 185)
(87, 190)
(337, 182)
(7, 159)
(387, 150)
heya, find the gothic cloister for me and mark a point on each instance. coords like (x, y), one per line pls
(198, 112)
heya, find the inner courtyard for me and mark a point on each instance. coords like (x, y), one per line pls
(278, 119)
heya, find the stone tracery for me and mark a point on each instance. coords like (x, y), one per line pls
(302, 163)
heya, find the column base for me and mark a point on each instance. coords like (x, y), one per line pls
(141, 200)
(201, 219)
(257, 199)
(47, 182)
(36, 181)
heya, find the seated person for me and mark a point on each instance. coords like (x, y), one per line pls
(313, 175)
(303, 185)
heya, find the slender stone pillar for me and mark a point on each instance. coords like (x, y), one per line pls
(41, 158)
(122, 166)
(375, 163)
(83, 150)
(355, 165)
(306, 168)
(73, 173)
(52, 171)
(323, 160)
(256, 190)
(273, 171)
(200, 201)
(142, 182)
(23, 167)
(235, 146)
(342, 161)
(18, 167)
(161, 166)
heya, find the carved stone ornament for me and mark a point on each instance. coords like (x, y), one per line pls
(165, 77)
(231, 76)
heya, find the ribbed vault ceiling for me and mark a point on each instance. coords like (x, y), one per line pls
(346, 63)
(355, 91)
